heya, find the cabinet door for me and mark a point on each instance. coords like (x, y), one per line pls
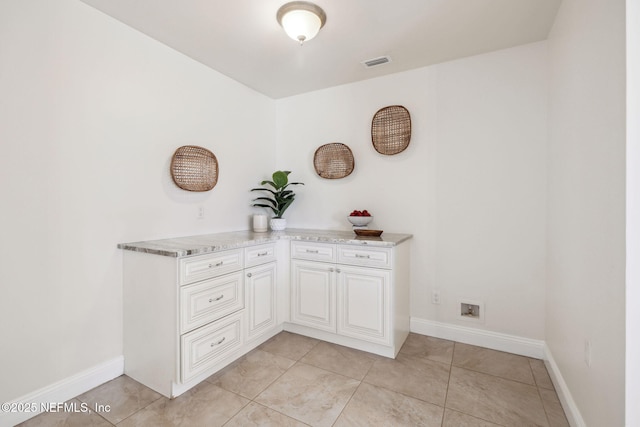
(313, 287)
(364, 306)
(260, 283)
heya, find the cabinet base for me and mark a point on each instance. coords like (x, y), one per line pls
(381, 350)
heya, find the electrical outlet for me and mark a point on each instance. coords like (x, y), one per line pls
(587, 353)
(200, 212)
(435, 297)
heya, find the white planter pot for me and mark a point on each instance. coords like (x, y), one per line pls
(278, 224)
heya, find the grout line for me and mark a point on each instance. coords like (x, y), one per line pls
(347, 404)
(446, 394)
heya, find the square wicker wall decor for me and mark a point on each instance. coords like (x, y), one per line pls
(391, 130)
(333, 161)
(194, 168)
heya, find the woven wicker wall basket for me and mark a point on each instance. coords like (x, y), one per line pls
(333, 161)
(194, 168)
(391, 130)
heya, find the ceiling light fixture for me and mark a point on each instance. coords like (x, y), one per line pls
(301, 20)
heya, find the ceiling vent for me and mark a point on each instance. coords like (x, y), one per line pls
(369, 63)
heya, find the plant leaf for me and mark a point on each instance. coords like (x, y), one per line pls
(264, 189)
(271, 183)
(280, 179)
(266, 199)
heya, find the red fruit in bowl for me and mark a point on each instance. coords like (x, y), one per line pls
(365, 213)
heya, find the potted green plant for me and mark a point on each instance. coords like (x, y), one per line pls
(279, 198)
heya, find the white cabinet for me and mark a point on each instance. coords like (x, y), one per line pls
(185, 318)
(209, 300)
(260, 285)
(352, 295)
(201, 349)
(364, 304)
(313, 294)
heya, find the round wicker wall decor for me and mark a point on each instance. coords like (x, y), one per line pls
(391, 130)
(333, 161)
(194, 168)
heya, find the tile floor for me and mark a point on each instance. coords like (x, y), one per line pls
(292, 380)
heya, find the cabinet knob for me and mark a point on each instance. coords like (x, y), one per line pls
(331, 270)
(249, 274)
(338, 270)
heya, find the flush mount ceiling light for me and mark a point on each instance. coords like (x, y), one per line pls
(301, 20)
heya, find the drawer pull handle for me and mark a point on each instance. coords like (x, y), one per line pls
(263, 254)
(213, 344)
(216, 299)
(217, 264)
(249, 274)
(331, 270)
(363, 256)
(309, 251)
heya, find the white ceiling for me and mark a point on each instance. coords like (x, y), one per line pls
(242, 39)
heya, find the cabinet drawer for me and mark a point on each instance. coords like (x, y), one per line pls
(370, 257)
(205, 266)
(313, 251)
(204, 347)
(261, 254)
(204, 302)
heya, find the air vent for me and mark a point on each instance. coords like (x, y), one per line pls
(376, 61)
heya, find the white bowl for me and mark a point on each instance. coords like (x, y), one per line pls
(360, 220)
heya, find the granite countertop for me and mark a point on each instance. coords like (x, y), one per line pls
(194, 245)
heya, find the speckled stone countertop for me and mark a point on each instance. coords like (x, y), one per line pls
(194, 245)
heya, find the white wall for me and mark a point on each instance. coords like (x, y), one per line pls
(586, 216)
(470, 187)
(632, 370)
(90, 114)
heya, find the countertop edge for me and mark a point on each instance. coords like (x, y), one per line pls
(193, 245)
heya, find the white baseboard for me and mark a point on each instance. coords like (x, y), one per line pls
(62, 391)
(566, 399)
(480, 337)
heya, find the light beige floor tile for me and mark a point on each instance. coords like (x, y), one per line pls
(123, 395)
(376, 406)
(435, 349)
(498, 363)
(309, 394)
(555, 413)
(341, 360)
(73, 415)
(540, 374)
(495, 399)
(253, 373)
(291, 346)
(255, 414)
(420, 378)
(204, 405)
(458, 419)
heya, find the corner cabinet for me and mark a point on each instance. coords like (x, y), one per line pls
(186, 318)
(352, 295)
